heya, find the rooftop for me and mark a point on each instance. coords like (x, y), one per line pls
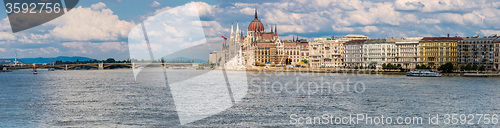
(442, 38)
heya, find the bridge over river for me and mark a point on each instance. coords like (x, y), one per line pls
(98, 65)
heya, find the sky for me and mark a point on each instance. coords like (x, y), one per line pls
(100, 28)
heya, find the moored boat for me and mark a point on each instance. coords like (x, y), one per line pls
(423, 73)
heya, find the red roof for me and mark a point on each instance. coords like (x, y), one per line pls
(290, 44)
(441, 38)
(356, 41)
(268, 36)
(264, 44)
(304, 44)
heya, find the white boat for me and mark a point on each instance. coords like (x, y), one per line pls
(34, 69)
(423, 73)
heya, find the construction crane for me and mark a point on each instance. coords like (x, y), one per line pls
(225, 39)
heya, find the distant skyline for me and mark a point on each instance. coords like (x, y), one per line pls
(99, 29)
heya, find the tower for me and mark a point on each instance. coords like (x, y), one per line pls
(231, 37)
(15, 59)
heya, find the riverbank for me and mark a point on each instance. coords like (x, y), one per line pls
(364, 71)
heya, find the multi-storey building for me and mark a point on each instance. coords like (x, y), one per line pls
(259, 47)
(497, 54)
(436, 51)
(353, 53)
(295, 50)
(326, 52)
(355, 37)
(407, 53)
(376, 52)
(212, 58)
(477, 51)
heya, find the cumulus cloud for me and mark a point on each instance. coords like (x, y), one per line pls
(45, 51)
(86, 24)
(98, 6)
(203, 8)
(378, 18)
(155, 4)
(79, 48)
(7, 36)
(490, 32)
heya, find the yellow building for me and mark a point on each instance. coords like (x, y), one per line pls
(436, 51)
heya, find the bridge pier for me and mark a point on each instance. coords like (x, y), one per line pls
(101, 66)
(66, 68)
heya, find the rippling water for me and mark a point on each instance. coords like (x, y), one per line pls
(112, 98)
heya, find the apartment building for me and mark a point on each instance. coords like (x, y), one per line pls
(477, 51)
(436, 51)
(407, 52)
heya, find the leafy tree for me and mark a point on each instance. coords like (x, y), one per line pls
(110, 60)
(305, 61)
(423, 66)
(384, 66)
(390, 66)
(356, 67)
(474, 67)
(482, 68)
(446, 68)
(462, 67)
(468, 67)
(361, 67)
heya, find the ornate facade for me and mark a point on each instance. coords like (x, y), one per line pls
(436, 51)
(477, 51)
(407, 54)
(259, 47)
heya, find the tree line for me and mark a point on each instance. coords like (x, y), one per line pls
(109, 60)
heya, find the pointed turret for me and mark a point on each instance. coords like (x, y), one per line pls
(231, 37)
(275, 30)
(256, 13)
(237, 31)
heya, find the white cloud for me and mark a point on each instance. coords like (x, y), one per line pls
(490, 32)
(158, 11)
(85, 24)
(155, 4)
(424, 17)
(7, 36)
(205, 9)
(437, 5)
(3, 49)
(78, 48)
(38, 51)
(98, 6)
(213, 28)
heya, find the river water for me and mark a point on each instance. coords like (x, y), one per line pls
(112, 98)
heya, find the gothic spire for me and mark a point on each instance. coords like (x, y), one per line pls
(256, 13)
(275, 30)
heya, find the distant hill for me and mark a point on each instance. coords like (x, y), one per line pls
(187, 59)
(48, 60)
